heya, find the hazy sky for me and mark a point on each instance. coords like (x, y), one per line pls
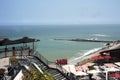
(59, 12)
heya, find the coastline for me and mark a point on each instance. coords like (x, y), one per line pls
(91, 53)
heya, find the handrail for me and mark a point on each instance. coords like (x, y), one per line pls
(41, 61)
(52, 68)
(60, 72)
(41, 57)
(10, 49)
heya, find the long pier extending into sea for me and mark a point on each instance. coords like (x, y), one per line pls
(84, 40)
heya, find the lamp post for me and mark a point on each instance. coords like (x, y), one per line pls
(106, 75)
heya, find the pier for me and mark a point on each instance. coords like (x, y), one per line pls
(85, 40)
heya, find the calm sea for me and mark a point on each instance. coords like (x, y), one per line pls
(52, 49)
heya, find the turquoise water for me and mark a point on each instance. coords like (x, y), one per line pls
(52, 49)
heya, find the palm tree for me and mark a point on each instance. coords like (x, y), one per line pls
(48, 76)
(34, 74)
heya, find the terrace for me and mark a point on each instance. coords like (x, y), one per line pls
(17, 56)
(103, 66)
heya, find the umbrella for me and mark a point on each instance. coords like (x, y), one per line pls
(116, 75)
(100, 58)
(95, 57)
(107, 57)
(94, 71)
(80, 73)
(112, 69)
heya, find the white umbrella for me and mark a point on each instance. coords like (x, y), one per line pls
(112, 69)
(80, 73)
(94, 71)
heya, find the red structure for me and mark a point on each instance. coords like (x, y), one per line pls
(107, 57)
(61, 61)
(115, 75)
(98, 57)
(101, 57)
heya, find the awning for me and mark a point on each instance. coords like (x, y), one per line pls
(6, 41)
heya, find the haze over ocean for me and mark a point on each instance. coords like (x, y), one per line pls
(52, 49)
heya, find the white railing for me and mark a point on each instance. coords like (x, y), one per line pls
(19, 76)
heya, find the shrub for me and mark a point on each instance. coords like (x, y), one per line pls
(34, 74)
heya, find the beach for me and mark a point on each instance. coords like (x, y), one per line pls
(91, 53)
(55, 49)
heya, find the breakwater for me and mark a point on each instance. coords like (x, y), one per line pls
(85, 40)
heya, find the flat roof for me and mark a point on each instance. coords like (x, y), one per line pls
(7, 41)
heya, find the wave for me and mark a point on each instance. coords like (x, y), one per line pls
(91, 51)
(78, 59)
(100, 35)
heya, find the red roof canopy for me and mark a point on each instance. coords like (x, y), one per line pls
(101, 57)
(116, 75)
(98, 57)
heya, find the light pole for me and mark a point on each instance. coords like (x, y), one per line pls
(106, 75)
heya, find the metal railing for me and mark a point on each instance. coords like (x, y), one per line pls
(41, 57)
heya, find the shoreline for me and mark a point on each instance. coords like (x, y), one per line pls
(86, 55)
(91, 53)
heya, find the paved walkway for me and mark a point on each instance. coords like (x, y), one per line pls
(4, 63)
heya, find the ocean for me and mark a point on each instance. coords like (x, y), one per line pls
(57, 49)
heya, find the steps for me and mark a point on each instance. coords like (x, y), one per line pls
(58, 75)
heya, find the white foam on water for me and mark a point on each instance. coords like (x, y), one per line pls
(100, 35)
(92, 51)
(80, 57)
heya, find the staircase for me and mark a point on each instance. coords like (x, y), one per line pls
(57, 75)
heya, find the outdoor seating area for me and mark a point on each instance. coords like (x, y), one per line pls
(98, 71)
(103, 67)
(9, 68)
(83, 67)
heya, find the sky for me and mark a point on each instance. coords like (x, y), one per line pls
(37, 12)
